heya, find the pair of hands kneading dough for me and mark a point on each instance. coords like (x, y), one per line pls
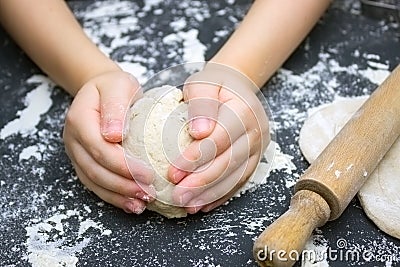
(380, 195)
(158, 134)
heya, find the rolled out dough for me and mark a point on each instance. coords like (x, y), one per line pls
(156, 134)
(380, 195)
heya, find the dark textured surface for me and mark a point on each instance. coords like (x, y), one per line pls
(35, 189)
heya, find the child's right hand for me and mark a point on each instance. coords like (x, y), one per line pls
(92, 135)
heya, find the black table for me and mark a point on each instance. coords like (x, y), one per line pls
(44, 208)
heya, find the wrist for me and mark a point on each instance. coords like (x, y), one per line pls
(232, 76)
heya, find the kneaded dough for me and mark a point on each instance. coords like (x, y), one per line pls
(157, 132)
(380, 195)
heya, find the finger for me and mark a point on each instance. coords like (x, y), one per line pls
(116, 94)
(202, 98)
(82, 123)
(231, 125)
(129, 205)
(224, 189)
(223, 166)
(106, 179)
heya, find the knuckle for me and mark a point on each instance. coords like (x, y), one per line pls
(124, 81)
(91, 173)
(96, 154)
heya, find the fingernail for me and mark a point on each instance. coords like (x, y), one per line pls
(143, 196)
(199, 205)
(186, 197)
(139, 210)
(148, 190)
(200, 125)
(112, 130)
(134, 207)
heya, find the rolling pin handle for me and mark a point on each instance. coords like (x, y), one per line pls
(282, 243)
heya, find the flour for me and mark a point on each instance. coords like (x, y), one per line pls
(178, 24)
(192, 51)
(31, 151)
(149, 4)
(375, 76)
(180, 45)
(37, 102)
(51, 243)
(379, 250)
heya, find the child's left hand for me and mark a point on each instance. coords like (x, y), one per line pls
(231, 130)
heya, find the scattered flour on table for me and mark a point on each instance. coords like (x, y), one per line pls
(273, 160)
(193, 50)
(316, 254)
(35, 151)
(37, 102)
(126, 33)
(178, 24)
(49, 244)
(378, 251)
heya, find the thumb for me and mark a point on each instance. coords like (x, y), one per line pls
(203, 106)
(117, 91)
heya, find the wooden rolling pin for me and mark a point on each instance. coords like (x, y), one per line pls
(329, 184)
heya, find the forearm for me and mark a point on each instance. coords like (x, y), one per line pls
(268, 34)
(48, 32)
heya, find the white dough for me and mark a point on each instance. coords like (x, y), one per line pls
(380, 195)
(157, 133)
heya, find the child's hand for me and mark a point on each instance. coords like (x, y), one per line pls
(92, 133)
(231, 131)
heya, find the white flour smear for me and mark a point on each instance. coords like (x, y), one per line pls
(32, 151)
(37, 102)
(49, 244)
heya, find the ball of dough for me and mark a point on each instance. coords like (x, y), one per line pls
(380, 195)
(157, 133)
